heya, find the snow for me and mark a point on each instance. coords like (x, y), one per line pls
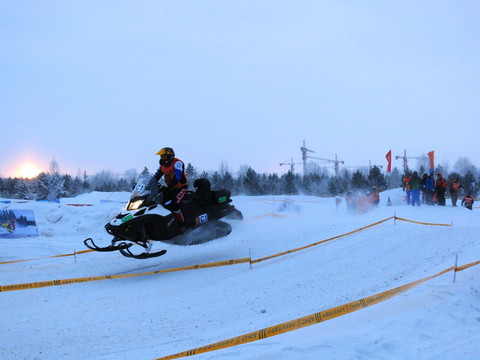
(151, 316)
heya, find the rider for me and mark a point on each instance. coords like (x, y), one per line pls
(173, 171)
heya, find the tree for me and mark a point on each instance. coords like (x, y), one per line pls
(469, 185)
(131, 176)
(48, 186)
(394, 179)
(359, 181)
(85, 185)
(332, 186)
(375, 177)
(103, 181)
(216, 180)
(251, 182)
(53, 168)
(228, 182)
(288, 181)
(464, 165)
(223, 168)
(24, 190)
(191, 172)
(443, 168)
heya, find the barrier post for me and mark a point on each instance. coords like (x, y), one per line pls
(75, 255)
(250, 255)
(455, 271)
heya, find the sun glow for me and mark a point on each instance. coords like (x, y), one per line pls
(29, 171)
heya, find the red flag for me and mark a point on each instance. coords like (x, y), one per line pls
(389, 159)
(431, 164)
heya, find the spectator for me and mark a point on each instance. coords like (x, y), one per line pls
(415, 185)
(424, 188)
(468, 201)
(454, 187)
(440, 187)
(406, 186)
(375, 196)
(430, 189)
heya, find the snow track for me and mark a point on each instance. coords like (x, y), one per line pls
(151, 316)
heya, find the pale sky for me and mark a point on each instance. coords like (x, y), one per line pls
(103, 85)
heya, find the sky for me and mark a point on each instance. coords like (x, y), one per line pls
(103, 85)
(155, 315)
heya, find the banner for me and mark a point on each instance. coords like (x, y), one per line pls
(17, 223)
(389, 159)
(431, 164)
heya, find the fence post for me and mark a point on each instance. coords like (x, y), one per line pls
(455, 271)
(250, 255)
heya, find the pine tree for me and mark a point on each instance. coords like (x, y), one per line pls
(24, 190)
(288, 180)
(216, 181)
(359, 181)
(469, 185)
(228, 182)
(251, 182)
(375, 177)
(191, 172)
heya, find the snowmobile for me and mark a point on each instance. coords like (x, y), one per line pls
(9, 225)
(144, 220)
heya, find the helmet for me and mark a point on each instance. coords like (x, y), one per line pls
(439, 174)
(166, 155)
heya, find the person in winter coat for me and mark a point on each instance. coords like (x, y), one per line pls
(375, 196)
(424, 188)
(173, 172)
(440, 187)
(430, 189)
(415, 186)
(406, 186)
(468, 201)
(454, 187)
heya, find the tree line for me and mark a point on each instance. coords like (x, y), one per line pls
(318, 181)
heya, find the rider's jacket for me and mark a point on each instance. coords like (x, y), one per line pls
(174, 174)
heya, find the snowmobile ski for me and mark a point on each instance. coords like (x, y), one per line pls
(112, 247)
(145, 255)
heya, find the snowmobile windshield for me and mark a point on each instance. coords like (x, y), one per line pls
(144, 192)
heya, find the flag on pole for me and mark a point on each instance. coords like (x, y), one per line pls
(389, 159)
(431, 164)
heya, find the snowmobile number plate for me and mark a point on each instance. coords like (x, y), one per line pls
(202, 219)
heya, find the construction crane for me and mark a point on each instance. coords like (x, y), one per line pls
(405, 157)
(292, 165)
(370, 166)
(305, 157)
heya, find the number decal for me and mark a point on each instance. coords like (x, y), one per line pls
(139, 188)
(202, 219)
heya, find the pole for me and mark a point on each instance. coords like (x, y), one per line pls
(455, 271)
